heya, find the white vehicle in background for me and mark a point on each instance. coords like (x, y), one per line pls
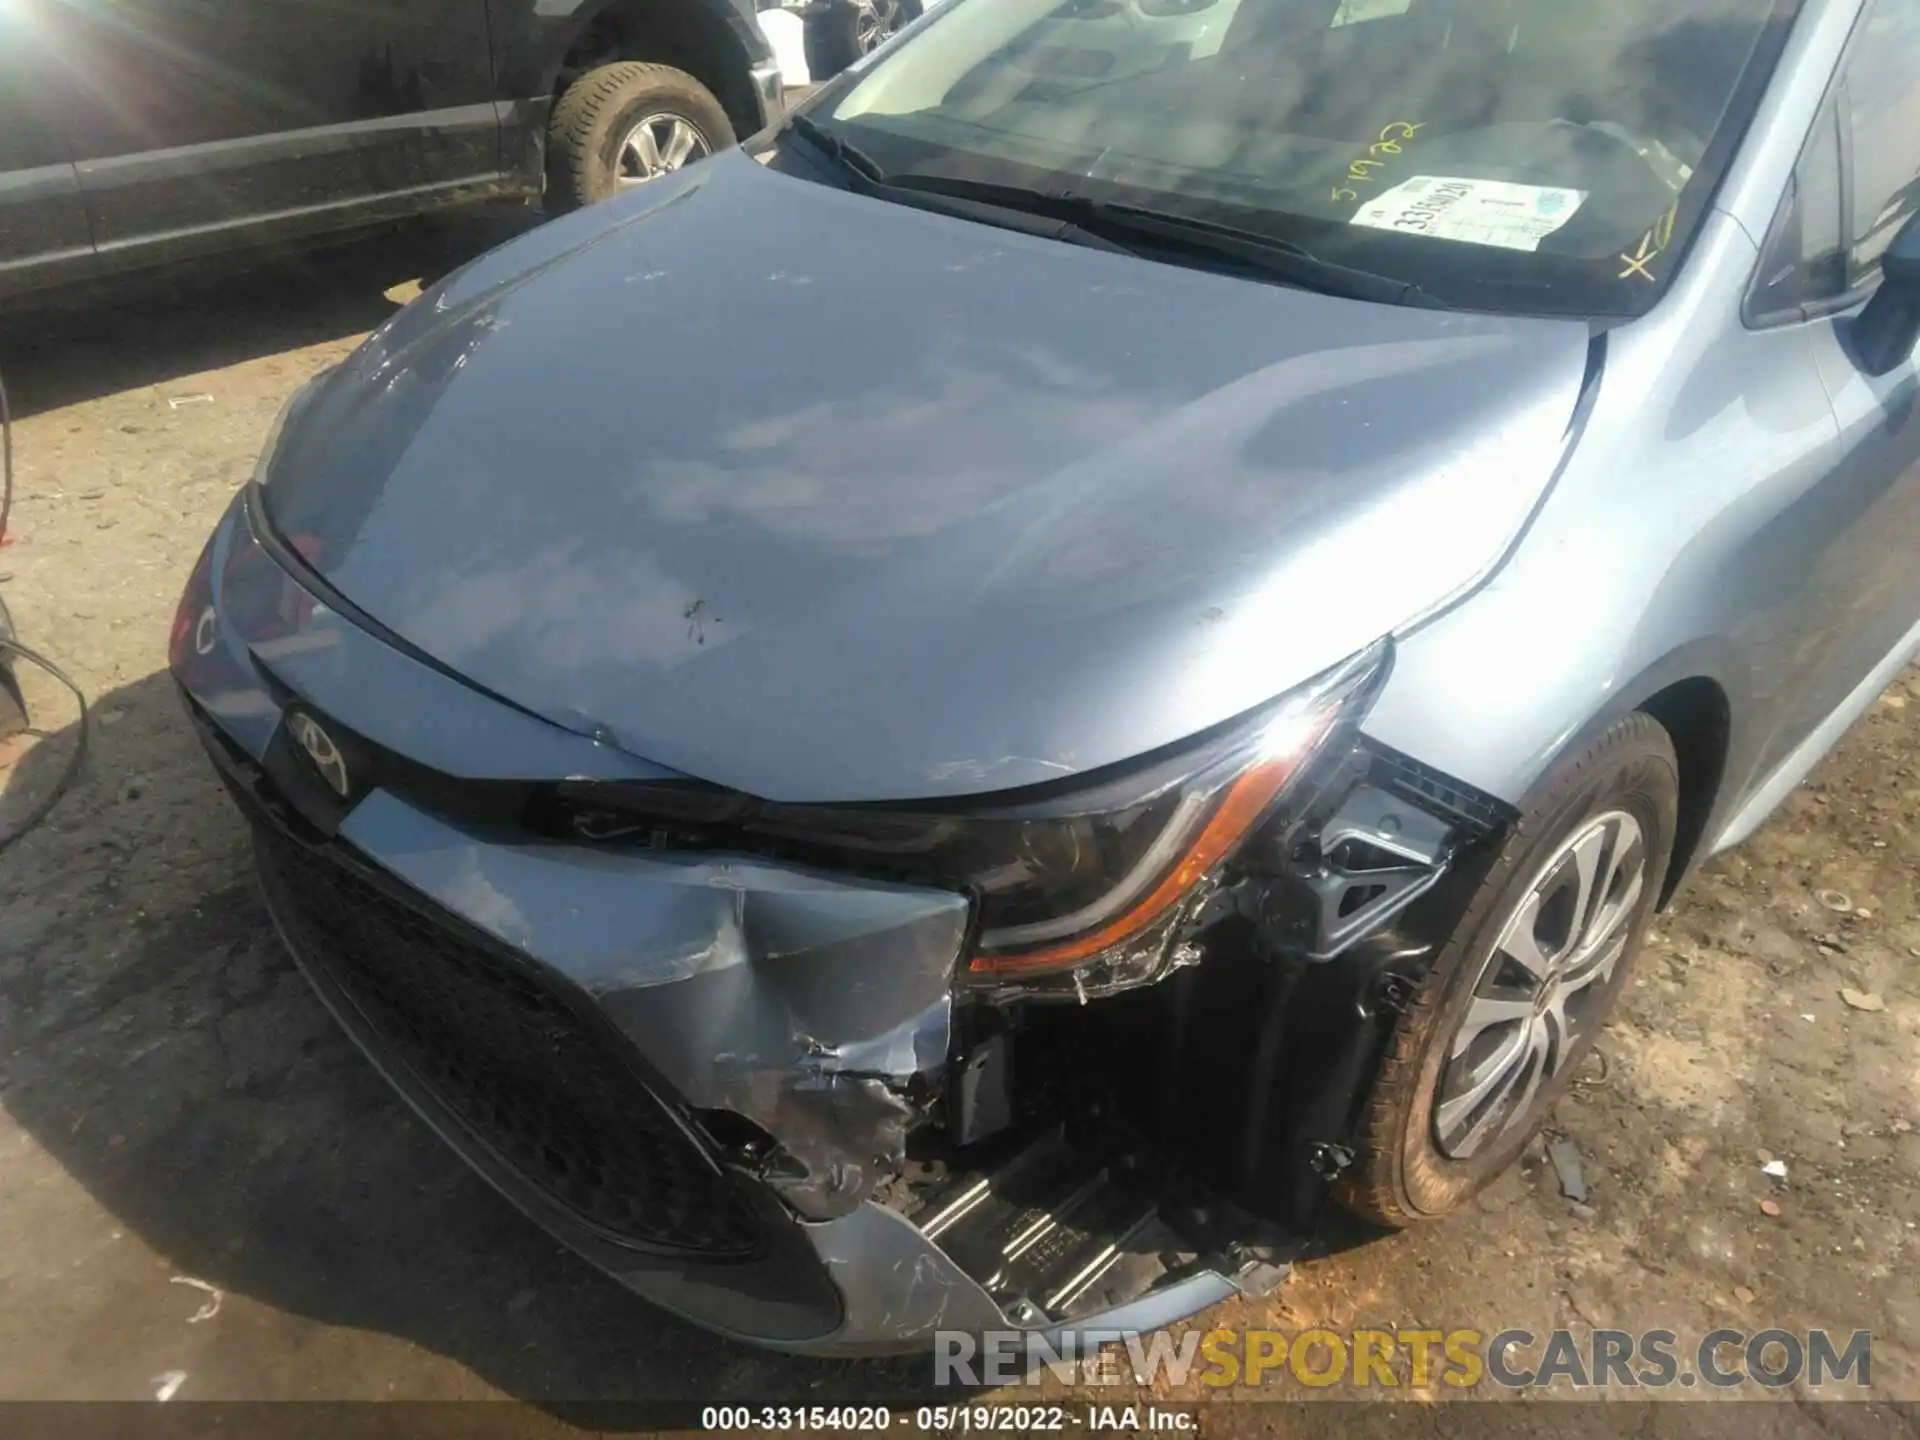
(814, 40)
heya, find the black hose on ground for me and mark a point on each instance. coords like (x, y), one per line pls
(11, 646)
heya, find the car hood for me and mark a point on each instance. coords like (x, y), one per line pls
(826, 498)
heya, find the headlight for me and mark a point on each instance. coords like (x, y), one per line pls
(1083, 885)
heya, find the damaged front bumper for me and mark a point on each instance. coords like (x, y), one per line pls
(755, 1000)
(751, 1090)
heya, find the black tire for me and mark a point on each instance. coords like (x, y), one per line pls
(1401, 1173)
(844, 32)
(601, 108)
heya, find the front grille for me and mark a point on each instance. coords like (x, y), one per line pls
(505, 1050)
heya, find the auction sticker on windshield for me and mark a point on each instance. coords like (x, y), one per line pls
(1480, 212)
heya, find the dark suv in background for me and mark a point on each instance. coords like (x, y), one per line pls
(140, 132)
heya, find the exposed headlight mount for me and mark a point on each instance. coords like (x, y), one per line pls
(1081, 887)
(1187, 817)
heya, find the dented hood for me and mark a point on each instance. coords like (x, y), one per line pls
(825, 498)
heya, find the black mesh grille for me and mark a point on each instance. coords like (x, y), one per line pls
(501, 1048)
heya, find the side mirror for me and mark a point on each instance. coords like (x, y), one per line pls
(1885, 333)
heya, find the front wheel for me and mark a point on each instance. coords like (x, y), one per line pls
(1517, 996)
(622, 125)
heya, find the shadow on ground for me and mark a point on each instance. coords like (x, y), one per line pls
(149, 329)
(156, 1040)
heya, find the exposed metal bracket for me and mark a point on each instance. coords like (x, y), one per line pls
(1387, 823)
(1395, 992)
(1374, 856)
(1328, 1161)
(1259, 1274)
(983, 1092)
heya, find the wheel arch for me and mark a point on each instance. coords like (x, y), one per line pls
(1686, 693)
(1698, 718)
(708, 39)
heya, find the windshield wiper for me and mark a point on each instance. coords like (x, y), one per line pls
(851, 159)
(1107, 224)
(1268, 255)
(865, 177)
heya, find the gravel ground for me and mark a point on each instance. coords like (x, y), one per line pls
(182, 1124)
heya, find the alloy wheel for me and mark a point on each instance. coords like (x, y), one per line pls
(1539, 998)
(876, 21)
(658, 145)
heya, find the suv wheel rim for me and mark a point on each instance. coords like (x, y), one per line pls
(656, 146)
(1538, 998)
(876, 21)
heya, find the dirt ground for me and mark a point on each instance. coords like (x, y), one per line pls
(184, 1129)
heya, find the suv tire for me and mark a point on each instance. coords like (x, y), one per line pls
(1520, 991)
(612, 121)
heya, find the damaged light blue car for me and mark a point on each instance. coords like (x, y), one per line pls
(958, 718)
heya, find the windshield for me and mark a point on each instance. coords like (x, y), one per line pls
(1527, 155)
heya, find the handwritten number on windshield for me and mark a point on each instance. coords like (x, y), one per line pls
(1362, 168)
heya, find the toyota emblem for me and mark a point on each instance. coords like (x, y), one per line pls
(324, 754)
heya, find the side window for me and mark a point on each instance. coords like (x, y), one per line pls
(1803, 262)
(1883, 132)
